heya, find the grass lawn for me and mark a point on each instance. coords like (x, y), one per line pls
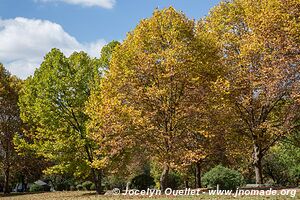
(82, 195)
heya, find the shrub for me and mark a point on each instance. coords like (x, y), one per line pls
(60, 182)
(281, 165)
(62, 186)
(174, 180)
(142, 182)
(93, 186)
(114, 181)
(72, 188)
(87, 185)
(227, 179)
(36, 188)
(79, 187)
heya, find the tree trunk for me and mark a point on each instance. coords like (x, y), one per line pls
(6, 181)
(22, 178)
(97, 176)
(257, 158)
(164, 178)
(186, 182)
(198, 175)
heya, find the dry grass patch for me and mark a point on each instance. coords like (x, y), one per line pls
(85, 195)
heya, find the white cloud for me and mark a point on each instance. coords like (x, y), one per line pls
(24, 42)
(108, 4)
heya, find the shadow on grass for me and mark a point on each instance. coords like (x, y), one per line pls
(91, 194)
(12, 194)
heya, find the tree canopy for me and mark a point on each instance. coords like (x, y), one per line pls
(52, 105)
(176, 98)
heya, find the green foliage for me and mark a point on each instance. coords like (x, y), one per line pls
(61, 182)
(174, 180)
(87, 185)
(79, 187)
(52, 105)
(282, 164)
(114, 181)
(36, 188)
(227, 179)
(106, 54)
(142, 182)
(63, 186)
(93, 187)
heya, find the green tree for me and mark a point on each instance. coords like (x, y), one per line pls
(52, 106)
(10, 122)
(106, 54)
(281, 164)
(259, 41)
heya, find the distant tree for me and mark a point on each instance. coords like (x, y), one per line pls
(259, 41)
(10, 122)
(29, 166)
(282, 164)
(106, 54)
(52, 106)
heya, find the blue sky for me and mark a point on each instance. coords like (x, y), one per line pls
(30, 28)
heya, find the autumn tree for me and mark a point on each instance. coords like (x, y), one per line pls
(10, 122)
(52, 106)
(151, 99)
(259, 41)
(110, 160)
